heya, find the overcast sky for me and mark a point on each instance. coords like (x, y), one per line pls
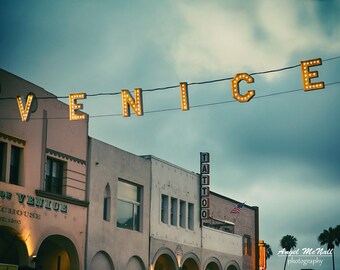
(280, 152)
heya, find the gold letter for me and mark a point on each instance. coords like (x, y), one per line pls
(306, 75)
(25, 110)
(184, 96)
(74, 106)
(136, 105)
(235, 89)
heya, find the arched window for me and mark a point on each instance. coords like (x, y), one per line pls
(107, 203)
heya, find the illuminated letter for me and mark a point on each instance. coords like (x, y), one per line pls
(306, 75)
(184, 96)
(25, 110)
(235, 90)
(136, 105)
(74, 106)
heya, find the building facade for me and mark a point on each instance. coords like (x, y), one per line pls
(118, 224)
(68, 201)
(175, 234)
(43, 210)
(243, 223)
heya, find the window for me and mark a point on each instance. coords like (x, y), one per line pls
(191, 216)
(107, 203)
(246, 245)
(173, 214)
(164, 209)
(128, 206)
(14, 165)
(2, 161)
(182, 213)
(11, 159)
(14, 154)
(54, 174)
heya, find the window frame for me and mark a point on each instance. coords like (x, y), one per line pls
(164, 208)
(11, 146)
(50, 187)
(107, 204)
(182, 213)
(174, 211)
(191, 216)
(246, 245)
(14, 167)
(3, 160)
(136, 206)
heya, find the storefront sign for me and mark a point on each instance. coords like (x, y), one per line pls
(205, 182)
(262, 255)
(32, 201)
(136, 102)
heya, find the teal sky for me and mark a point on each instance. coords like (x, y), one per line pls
(280, 152)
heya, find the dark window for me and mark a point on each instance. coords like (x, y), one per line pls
(2, 161)
(191, 216)
(129, 206)
(107, 204)
(164, 209)
(182, 213)
(14, 165)
(54, 176)
(173, 214)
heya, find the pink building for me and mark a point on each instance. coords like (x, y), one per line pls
(43, 210)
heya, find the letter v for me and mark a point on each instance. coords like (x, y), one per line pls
(24, 109)
(21, 197)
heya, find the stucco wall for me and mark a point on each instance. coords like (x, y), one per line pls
(178, 183)
(47, 128)
(107, 165)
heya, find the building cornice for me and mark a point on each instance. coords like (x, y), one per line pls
(12, 138)
(65, 156)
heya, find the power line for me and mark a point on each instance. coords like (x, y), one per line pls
(177, 108)
(176, 86)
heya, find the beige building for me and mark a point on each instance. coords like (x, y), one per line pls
(43, 208)
(118, 224)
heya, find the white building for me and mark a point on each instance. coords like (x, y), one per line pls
(177, 239)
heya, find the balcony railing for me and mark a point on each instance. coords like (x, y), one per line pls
(221, 241)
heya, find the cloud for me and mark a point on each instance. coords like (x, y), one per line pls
(217, 39)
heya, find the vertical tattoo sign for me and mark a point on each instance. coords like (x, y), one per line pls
(205, 182)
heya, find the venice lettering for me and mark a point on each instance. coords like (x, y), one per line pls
(34, 202)
(136, 102)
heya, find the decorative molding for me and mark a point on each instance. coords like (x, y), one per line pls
(13, 139)
(61, 198)
(65, 156)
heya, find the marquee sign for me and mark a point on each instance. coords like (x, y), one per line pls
(205, 182)
(262, 255)
(136, 103)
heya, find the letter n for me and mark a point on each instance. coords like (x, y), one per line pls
(128, 101)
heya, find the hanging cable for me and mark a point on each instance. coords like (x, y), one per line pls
(176, 108)
(176, 86)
